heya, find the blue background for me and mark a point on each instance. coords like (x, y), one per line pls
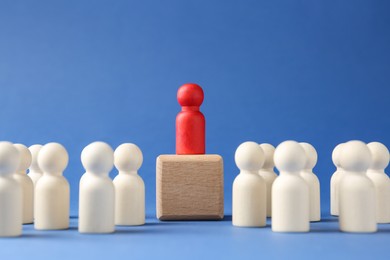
(80, 71)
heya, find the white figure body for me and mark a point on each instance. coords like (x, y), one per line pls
(26, 183)
(97, 193)
(290, 192)
(268, 174)
(34, 171)
(129, 186)
(335, 181)
(249, 188)
(11, 201)
(52, 192)
(357, 200)
(312, 181)
(376, 172)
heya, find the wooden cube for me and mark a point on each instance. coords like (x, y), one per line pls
(189, 187)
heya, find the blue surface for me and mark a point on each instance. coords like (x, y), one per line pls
(199, 240)
(79, 71)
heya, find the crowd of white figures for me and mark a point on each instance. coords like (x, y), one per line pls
(42, 196)
(360, 188)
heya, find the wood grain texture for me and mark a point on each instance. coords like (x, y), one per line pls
(189, 187)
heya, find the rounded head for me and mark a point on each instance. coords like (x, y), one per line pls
(9, 158)
(128, 157)
(53, 158)
(336, 155)
(355, 156)
(25, 157)
(34, 149)
(311, 155)
(379, 155)
(269, 151)
(98, 158)
(249, 156)
(190, 94)
(290, 156)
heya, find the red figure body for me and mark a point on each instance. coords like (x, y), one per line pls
(190, 122)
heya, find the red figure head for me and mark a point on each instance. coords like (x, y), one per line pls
(190, 94)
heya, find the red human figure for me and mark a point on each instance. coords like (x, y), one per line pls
(190, 122)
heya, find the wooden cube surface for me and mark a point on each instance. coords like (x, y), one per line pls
(189, 187)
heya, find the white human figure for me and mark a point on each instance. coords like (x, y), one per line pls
(268, 174)
(376, 172)
(26, 183)
(335, 181)
(290, 192)
(129, 186)
(249, 188)
(357, 200)
(97, 192)
(11, 201)
(34, 171)
(312, 181)
(52, 191)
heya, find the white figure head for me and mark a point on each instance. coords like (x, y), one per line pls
(249, 156)
(355, 156)
(25, 157)
(34, 149)
(53, 158)
(268, 150)
(128, 157)
(290, 157)
(380, 156)
(311, 155)
(336, 155)
(9, 158)
(98, 158)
